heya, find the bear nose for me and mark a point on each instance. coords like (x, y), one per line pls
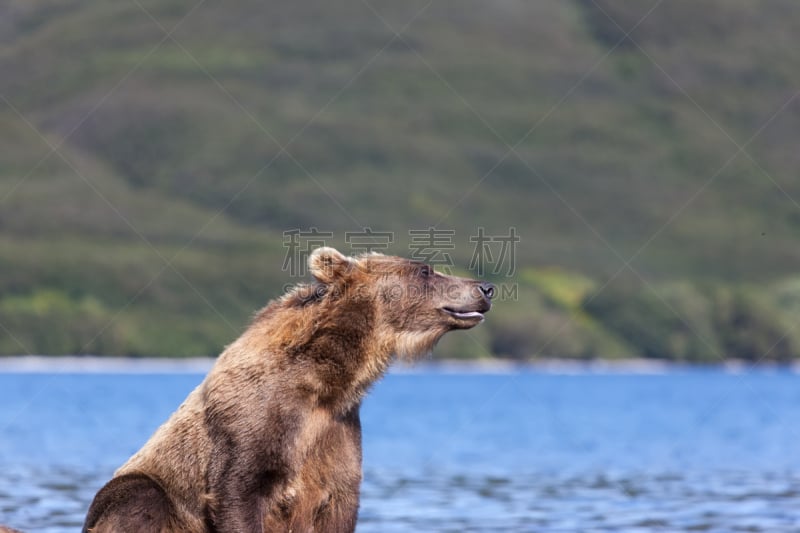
(487, 289)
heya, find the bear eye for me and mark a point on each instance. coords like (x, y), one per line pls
(425, 271)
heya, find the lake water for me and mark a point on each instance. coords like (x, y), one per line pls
(463, 451)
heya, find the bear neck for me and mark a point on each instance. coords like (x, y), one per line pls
(335, 342)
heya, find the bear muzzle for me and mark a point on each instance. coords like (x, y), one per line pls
(474, 311)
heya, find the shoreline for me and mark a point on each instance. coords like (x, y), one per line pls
(41, 364)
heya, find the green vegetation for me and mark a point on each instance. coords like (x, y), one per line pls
(157, 228)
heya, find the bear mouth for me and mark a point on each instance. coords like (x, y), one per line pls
(463, 314)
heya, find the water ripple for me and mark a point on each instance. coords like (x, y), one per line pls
(55, 500)
(588, 502)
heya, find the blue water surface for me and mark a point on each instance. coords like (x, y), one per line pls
(685, 450)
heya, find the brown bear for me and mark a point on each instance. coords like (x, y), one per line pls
(271, 439)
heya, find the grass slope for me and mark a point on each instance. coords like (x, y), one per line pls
(657, 134)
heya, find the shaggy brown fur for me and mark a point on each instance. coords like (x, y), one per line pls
(271, 440)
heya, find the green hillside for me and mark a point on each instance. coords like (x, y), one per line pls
(153, 153)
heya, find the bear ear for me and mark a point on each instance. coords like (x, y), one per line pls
(328, 264)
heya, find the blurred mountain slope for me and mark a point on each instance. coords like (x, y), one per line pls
(190, 135)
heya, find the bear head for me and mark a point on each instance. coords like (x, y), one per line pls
(410, 304)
